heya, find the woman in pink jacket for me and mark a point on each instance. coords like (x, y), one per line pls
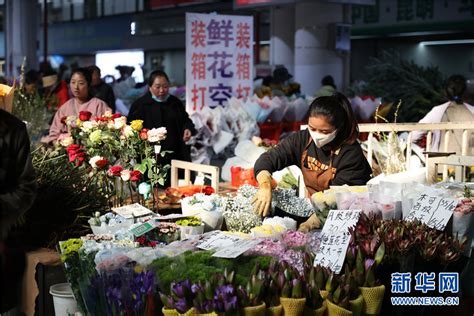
(81, 101)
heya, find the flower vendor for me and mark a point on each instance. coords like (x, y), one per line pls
(157, 108)
(327, 152)
(81, 102)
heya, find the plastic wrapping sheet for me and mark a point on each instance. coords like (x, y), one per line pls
(279, 107)
(366, 107)
(296, 110)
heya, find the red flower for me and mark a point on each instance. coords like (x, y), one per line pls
(102, 119)
(85, 115)
(135, 175)
(73, 148)
(116, 115)
(114, 171)
(207, 190)
(144, 134)
(101, 164)
(76, 154)
(152, 244)
(63, 120)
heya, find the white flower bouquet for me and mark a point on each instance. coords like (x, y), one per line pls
(209, 208)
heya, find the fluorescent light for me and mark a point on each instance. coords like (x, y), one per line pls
(448, 42)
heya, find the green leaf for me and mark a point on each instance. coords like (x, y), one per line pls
(380, 253)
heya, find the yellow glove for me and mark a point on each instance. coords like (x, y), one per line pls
(311, 223)
(263, 199)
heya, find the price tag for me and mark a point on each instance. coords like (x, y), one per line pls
(236, 249)
(132, 210)
(142, 229)
(434, 211)
(217, 240)
(335, 239)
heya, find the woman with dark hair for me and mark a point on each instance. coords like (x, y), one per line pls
(327, 152)
(454, 110)
(157, 108)
(81, 101)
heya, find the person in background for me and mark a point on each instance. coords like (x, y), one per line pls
(328, 87)
(327, 152)
(32, 82)
(455, 110)
(55, 90)
(157, 108)
(100, 89)
(282, 85)
(81, 101)
(17, 193)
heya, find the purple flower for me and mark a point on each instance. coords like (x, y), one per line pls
(368, 263)
(181, 305)
(225, 298)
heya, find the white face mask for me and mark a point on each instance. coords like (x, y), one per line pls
(322, 139)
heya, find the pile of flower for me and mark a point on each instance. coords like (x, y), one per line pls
(108, 223)
(163, 233)
(118, 154)
(291, 249)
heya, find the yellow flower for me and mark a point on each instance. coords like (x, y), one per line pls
(78, 122)
(137, 125)
(138, 269)
(95, 136)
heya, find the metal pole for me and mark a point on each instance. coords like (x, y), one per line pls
(45, 30)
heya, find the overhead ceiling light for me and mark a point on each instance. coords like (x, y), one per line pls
(447, 42)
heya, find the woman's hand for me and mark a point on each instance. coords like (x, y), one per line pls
(187, 135)
(313, 222)
(262, 201)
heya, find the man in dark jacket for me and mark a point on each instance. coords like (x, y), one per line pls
(17, 193)
(100, 89)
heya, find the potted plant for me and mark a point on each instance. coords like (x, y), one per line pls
(292, 290)
(316, 278)
(251, 298)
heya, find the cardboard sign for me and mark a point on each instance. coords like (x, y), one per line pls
(132, 211)
(236, 249)
(219, 59)
(432, 210)
(335, 238)
(142, 229)
(217, 240)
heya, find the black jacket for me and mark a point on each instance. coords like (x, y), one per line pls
(170, 114)
(17, 176)
(351, 165)
(104, 92)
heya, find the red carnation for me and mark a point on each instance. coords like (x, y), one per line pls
(116, 115)
(101, 164)
(85, 115)
(135, 175)
(144, 134)
(114, 171)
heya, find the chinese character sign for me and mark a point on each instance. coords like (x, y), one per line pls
(335, 238)
(434, 211)
(219, 59)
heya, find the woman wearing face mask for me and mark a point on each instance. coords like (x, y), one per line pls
(157, 108)
(82, 101)
(327, 152)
